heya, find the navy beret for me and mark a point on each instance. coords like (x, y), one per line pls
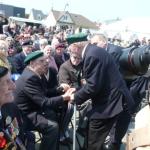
(27, 42)
(33, 56)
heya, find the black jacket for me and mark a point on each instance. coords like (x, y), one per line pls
(18, 63)
(11, 125)
(51, 84)
(104, 84)
(30, 96)
(70, 74)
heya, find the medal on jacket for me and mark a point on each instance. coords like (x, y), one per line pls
(3, 141)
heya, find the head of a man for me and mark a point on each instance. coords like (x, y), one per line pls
(27, 47)
(75, 53)
(43, 43)
(47, 50)
(59, 49)
(100, 40)
(38, 62)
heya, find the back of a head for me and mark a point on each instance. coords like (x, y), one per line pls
(98, 37)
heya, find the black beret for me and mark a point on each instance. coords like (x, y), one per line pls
(3, 71)
(33, 56)
(27, 42)
(76, 38)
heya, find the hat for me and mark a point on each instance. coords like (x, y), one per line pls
(4, 65)
(76, 38)
(60, 45)
(27, 42)
(33, 56)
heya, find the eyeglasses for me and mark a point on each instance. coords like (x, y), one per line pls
(75, 57)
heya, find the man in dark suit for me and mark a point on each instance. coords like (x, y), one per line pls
(38, 109)
(120, 127)
(19, 58)
(107, 90)
(50, 82)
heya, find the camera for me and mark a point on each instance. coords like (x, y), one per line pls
(132, 62)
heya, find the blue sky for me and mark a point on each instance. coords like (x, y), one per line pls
(95, 10)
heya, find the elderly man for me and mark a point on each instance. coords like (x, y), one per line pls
(19, 58)
(107, 90)
(39, 110)
(60, 55)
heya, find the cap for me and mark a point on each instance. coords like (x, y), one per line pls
(27, 42)
(32, 56)
(76, 38)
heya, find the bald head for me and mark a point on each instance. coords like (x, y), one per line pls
(100, 40)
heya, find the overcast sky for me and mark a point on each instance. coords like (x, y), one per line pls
(95, 10)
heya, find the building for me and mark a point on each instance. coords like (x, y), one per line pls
(64, 19)
(37, 15)
(9, 10)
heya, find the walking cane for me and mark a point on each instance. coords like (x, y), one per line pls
(74, 125)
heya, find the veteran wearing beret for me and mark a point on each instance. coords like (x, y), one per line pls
(39, 110)
(60, 55)
(19, 64)
(11, 125)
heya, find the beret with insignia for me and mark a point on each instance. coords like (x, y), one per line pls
(26, 43)
(32, 56)
(76, 38)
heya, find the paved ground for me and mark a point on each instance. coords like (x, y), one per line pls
(81, 140)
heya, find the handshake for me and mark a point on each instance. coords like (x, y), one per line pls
(68, 92)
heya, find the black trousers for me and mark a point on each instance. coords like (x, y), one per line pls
(120, 128)
(45, 123)
(98, 131)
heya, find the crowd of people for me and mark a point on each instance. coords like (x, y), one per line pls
(42, 76)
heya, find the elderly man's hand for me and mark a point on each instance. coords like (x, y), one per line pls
(65, 87)
(67, 95)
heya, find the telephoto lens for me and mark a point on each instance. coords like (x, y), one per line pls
(134, 61)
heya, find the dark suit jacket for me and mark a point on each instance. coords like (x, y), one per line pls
(30, 96)
(11, 111)
(51, 84)
(104, 86)
(69, 74)
(59, 60)
(19, 64)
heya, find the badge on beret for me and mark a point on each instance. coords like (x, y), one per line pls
(8, 120)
